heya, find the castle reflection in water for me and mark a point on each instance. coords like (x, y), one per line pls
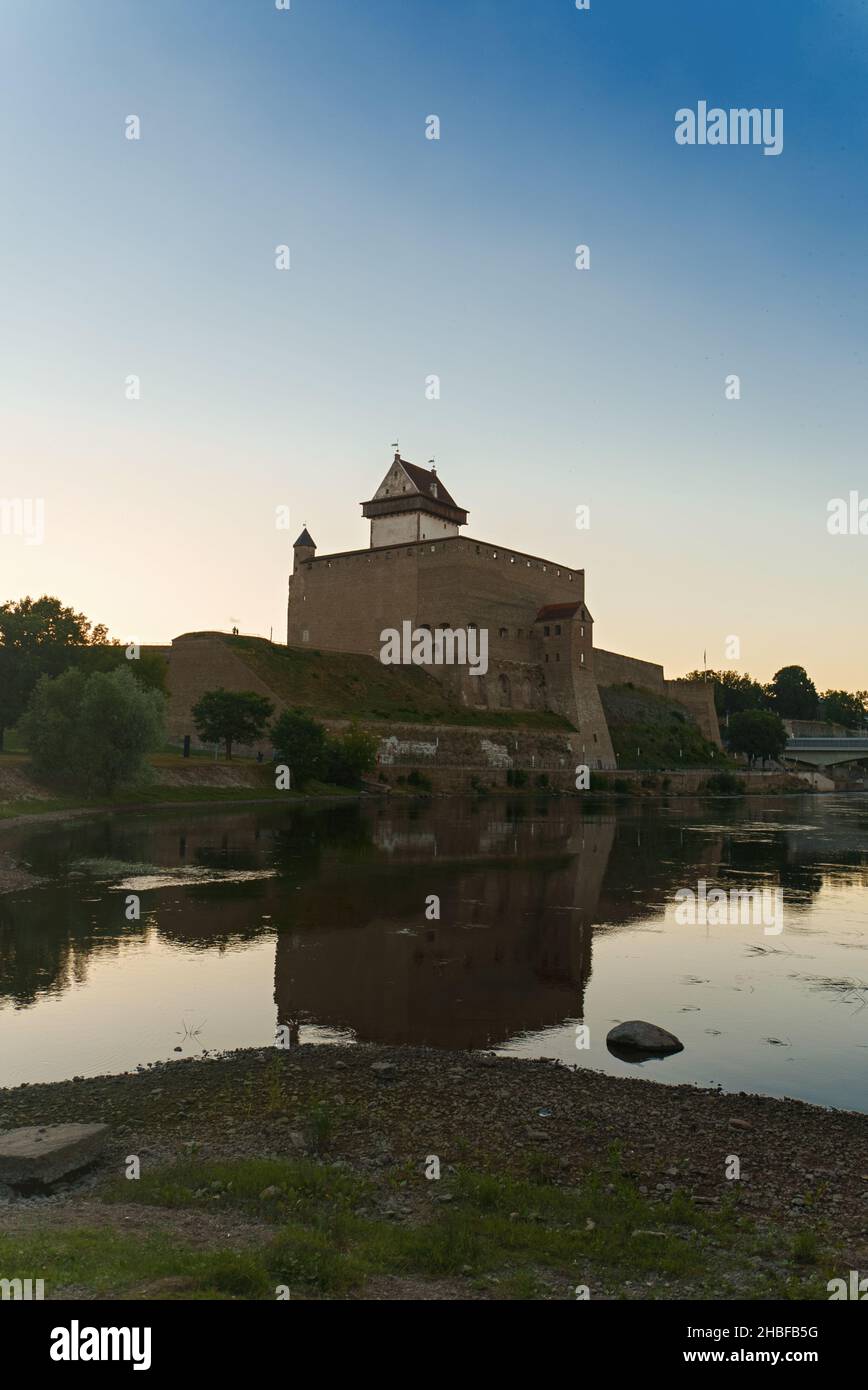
(522, 887)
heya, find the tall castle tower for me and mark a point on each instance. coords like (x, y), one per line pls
(411, 504)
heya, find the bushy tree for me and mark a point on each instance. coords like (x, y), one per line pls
(93, 732)
(300, 742)
(38, 637)
(792, 694)
(757, 733)
(842, 707)
(149, 668)
(350, 755)
(231, 716)
(732, 692)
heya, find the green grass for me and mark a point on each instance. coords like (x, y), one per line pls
(510, 1237)
(107, 1266)
(344, 685)
(651, 731)
(158, 794)
(145, 796)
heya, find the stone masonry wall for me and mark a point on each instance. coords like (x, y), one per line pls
(697, 697)
(343, 602)
(610, 668)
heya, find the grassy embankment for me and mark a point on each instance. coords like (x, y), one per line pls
(650, 732)
(174, 780)
(343, 685)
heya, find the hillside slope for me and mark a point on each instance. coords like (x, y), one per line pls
(344, 685)
(650, 731)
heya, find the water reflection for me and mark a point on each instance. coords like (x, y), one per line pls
(534, 899)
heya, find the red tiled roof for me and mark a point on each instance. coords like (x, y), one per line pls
(424, 479)
(557, 610)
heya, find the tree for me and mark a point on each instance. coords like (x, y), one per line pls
(842, 707)
(231, 716)
(757, 732)
(38, 637)
(300, 742)
(792, 694)
(350, 755)
(93, 732)
(732, 692)
(149, 668)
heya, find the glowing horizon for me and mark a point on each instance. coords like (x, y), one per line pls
(154, 259)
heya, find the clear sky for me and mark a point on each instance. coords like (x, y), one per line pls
(410, 257)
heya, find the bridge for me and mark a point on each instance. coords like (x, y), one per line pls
(826, 752)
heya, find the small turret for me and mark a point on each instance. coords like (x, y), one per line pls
(304, 549)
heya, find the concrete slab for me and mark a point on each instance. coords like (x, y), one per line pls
(44, 1153)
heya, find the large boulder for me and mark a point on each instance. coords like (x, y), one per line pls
(44, 1153)
(638, 1037)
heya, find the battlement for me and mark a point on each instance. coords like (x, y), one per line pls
(467, 546)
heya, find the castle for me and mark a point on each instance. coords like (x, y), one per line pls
(420, 568)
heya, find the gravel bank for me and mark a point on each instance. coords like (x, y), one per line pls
(801, 1166)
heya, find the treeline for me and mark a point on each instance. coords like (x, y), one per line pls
(91, 711)
(41, 637)
(791, 694)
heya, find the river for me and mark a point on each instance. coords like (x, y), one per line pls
(505, 924)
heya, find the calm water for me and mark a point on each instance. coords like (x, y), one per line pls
(551, 914)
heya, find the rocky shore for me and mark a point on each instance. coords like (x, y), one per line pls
(377, 1111)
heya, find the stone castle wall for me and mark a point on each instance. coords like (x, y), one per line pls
(343, 602)
(610, 668)
(697, 697)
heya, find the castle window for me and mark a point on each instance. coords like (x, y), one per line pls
(583, 632)
(518, 632)
(502, 632)
(583, 658)
(569, 576)
(558, 573)
(305, 635)
(557, 656)
(512, 559)
(528, 564)
(557, 629)
(547, 656)
(546, 632)
(494, 554)
(477, 550)
(432, 550)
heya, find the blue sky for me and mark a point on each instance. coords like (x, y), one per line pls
(455, 257)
